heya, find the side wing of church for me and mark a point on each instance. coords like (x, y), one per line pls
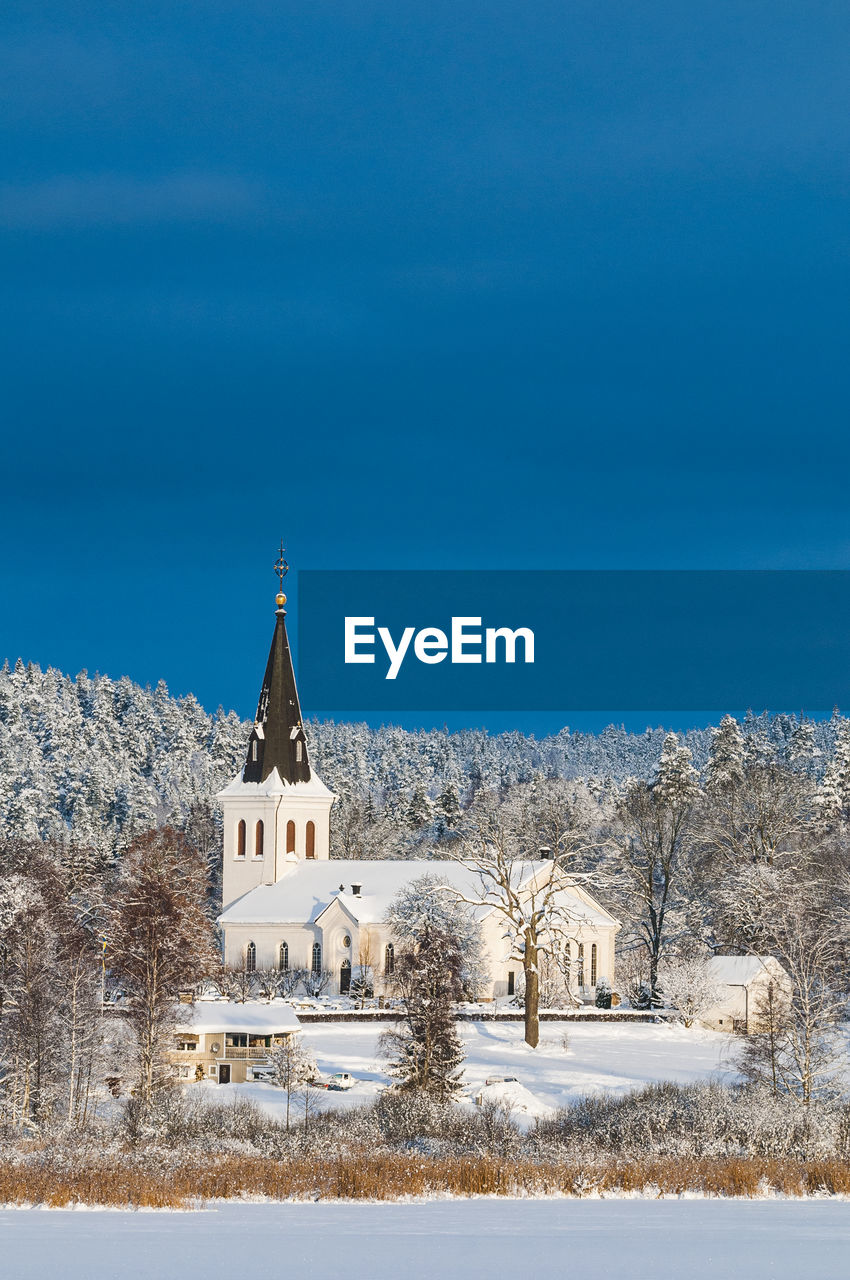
(288, 905)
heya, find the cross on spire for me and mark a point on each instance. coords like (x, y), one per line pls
(281, 568)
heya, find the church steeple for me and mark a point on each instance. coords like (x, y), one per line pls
(277, 739)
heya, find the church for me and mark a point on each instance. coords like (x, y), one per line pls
(288, 905)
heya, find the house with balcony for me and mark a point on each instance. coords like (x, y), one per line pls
(225, 1042)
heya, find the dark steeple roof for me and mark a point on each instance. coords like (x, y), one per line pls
(277, 740)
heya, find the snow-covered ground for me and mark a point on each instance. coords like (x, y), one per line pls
(617, 1239)
(604, 1057)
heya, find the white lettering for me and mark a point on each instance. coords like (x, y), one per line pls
(431, 645)
(352, 639)
(395, 655)
(460, 638)
(510, 638)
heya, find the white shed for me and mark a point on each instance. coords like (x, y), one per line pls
(744, 983)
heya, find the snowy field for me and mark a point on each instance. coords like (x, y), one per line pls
(615, 1239)
(603, 1057)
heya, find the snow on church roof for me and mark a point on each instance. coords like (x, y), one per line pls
(305, 892)
(275, 786)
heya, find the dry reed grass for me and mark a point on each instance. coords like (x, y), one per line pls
(42, 1179)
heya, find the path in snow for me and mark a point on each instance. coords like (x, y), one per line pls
(619, 1240)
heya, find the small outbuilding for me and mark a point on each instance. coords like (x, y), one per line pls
(746, 985)
(225, 1042)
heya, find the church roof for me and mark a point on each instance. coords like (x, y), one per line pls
(277, 739)
(306, 891)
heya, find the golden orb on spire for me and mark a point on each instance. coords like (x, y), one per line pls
(280, 599)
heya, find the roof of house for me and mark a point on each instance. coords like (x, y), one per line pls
(739, 971)
(252, 1017)
(310, 887)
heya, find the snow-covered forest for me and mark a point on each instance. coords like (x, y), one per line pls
(97, 760)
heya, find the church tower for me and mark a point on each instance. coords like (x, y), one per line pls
(276, 811)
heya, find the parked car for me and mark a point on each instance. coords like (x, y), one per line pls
(341, 1080)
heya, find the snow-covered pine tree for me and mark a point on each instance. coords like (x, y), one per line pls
(424, 1051)
(725, 769)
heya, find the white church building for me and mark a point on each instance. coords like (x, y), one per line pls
(287, 904)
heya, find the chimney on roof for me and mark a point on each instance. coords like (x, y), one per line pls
(355, 889)
(545, 853)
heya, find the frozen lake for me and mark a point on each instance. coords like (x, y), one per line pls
(620, 1240)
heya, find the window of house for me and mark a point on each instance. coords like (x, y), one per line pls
(283, 957)
(241, 834)
(389, 960)
(211, 1069)
(511, 982)
(251, 957)
(236, 1040)
(258, 839)
(593, 965)
(187, 1045)
(311, 840)
(290, 836)
(316, 962)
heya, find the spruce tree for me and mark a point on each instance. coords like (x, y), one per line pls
(425, 1053)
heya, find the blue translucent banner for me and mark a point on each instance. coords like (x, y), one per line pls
(575, 640)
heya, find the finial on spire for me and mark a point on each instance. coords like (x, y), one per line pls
(281, 568)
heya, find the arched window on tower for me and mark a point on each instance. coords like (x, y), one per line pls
(250, 957)
(258, 840)
(283, 957)
(311, 840)
(241, 834)
(290, 836)
(389, 960)
(299, 751)
(316, 961)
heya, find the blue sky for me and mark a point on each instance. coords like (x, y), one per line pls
(480, 285)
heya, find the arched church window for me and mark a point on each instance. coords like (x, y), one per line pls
(593, 965)
(241, 834)
(389, 960)
(581, 964)
(258, 840)
(250, 957)
(311, 840)
(316, 962)
(567, 963)
(254, 749)
(283, 957)
(290, 836)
